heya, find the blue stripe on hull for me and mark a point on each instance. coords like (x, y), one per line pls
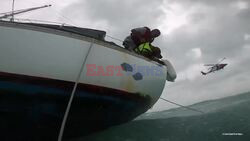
(34, 111)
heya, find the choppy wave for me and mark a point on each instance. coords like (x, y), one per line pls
(226, 119)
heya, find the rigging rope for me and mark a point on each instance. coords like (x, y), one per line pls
(73, 24)
(114, 38)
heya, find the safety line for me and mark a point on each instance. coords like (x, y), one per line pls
(192, 109)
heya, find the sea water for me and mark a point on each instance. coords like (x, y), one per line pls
(226, 119)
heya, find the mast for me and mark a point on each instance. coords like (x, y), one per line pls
(16, 12)
(13, 8)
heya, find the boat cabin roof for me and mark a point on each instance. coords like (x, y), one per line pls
(92, 33)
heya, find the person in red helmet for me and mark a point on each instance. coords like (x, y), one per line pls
(144, 34)
(140, 41)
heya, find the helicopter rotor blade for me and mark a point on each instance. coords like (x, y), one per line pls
(209, 64)
(221, 60)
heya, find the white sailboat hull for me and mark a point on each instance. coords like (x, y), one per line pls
(39, 67)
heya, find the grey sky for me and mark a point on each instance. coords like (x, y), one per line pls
(194, 32)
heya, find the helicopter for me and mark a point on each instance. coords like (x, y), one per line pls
(214, 67)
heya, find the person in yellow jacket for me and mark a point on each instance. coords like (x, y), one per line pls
(140, 35)
(149, 51)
